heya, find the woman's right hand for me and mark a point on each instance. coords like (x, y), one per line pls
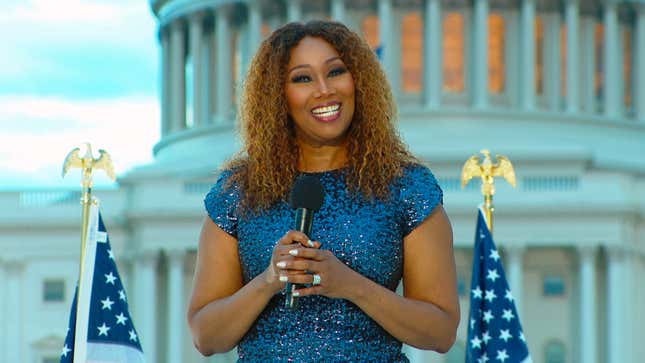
(281, 253)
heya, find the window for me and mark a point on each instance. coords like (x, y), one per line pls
(453, 52)
(370, 30)
(598, 50)
(495, 53)
(563, 60)
(553, 286)
(554, 352)
(627, 66)
(539, 56)
(54, 290)
(411, 48)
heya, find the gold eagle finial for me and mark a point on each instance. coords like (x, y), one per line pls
(87, 163)
(487, 171)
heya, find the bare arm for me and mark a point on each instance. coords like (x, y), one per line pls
(427, 315)
(221, 309)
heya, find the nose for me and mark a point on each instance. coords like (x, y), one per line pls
(325, 89)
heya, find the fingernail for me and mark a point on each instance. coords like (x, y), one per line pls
(283, 278)
(295, 293)
(310, 243)
(293, 252)
(281, 264)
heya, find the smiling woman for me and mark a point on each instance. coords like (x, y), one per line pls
(320, 96)
(316, 103)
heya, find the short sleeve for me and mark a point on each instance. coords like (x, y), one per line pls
(419, 194)
(221, 204)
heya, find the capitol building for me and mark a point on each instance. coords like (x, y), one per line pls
(557, 86)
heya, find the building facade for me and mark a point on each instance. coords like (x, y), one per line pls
(558, 86)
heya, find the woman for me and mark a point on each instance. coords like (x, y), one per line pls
(316, 102)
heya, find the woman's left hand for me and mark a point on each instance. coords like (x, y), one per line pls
(336, 278)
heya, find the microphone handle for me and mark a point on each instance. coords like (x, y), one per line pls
(303, 222)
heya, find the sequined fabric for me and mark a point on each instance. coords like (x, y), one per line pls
(365, 235)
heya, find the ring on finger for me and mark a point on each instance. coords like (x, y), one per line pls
(316, 280)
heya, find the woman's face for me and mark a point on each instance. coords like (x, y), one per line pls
(320, 93)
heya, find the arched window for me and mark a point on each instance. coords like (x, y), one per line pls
(495, 53)
(411, 48)
(554, 352)
(453, 52)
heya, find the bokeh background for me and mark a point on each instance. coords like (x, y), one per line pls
(558, 86)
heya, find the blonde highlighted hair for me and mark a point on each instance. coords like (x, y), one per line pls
(267, 163)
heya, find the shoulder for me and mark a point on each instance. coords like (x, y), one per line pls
(223, 196)
(417, 194)
(416, 173)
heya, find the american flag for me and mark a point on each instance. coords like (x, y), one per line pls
(494, 329)
(105, 332)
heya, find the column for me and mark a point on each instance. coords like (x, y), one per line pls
(176, 330)
(195, 36)
(14, 339)
(588, 332)
(552, 60)
(588, 65)
(432, 56)
(527, 55)
(338, 10)
(639, 64)
(294, 10)
(255, 26)
(146, 302)
(615, 304)
(611, 71)
(571, 18)
(515, 273)
(177, 90)
(223, 55)
(164, 81)
(479, 60)
(387, 42)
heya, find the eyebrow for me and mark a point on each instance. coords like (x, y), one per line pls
(308, 65)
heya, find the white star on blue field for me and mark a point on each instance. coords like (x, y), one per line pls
(75, 71)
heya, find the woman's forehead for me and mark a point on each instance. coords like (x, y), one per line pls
(312, 49)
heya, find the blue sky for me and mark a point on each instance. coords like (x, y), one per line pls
(73, 71)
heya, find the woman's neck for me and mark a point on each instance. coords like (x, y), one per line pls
(321, 158)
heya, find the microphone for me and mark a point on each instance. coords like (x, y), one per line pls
(306, 197)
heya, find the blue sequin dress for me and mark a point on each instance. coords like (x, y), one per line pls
(365, 235)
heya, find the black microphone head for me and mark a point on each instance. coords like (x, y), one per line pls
(307, 192)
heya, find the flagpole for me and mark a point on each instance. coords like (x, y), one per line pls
(87, 164)
(488, 171)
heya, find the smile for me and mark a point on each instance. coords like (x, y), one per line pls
(327, 113)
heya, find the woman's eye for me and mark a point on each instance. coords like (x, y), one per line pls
(337, 71)
(300, 78)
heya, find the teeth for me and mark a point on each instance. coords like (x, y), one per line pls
(326, 110)
(326, 114)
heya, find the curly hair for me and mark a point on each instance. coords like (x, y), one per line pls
(266, 165)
